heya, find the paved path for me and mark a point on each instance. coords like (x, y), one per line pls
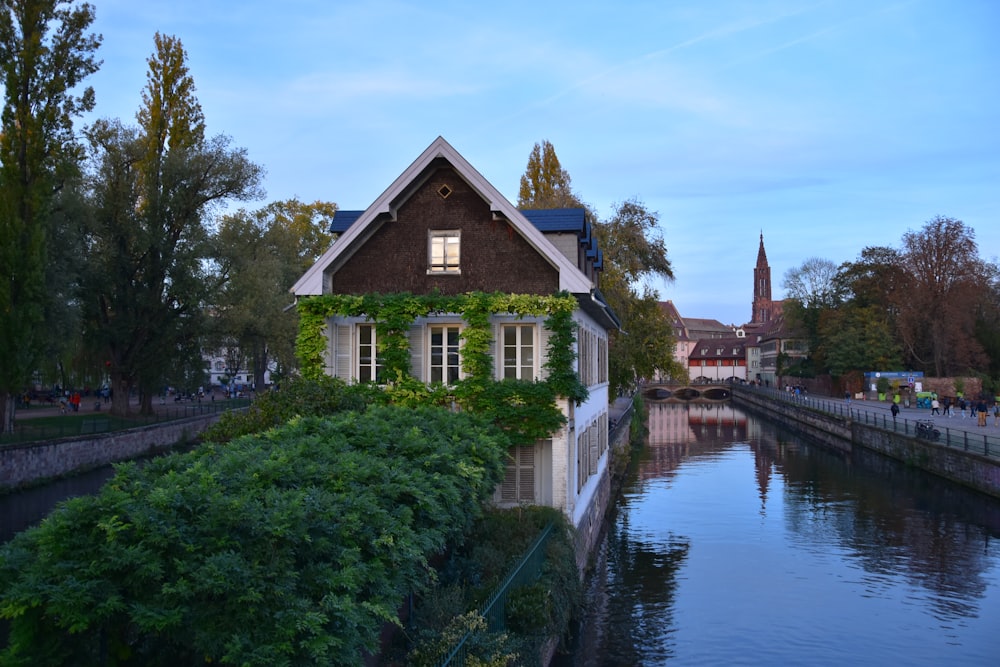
(955, 422)
(87, 407)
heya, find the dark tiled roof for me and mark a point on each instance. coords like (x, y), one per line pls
(553, 220)
(719, 348)
(342, 220)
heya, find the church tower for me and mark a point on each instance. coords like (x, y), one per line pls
(762, 305)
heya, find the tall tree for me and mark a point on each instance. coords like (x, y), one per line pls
(948, 283)
(45, 54)
(634, 253)
(812, 293)
(153, 190)
(545, 184)
(261, 254)
(813, 284)
(858, 333)
(876, 278)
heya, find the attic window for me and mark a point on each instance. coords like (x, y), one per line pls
(444, 251)
(445, 191)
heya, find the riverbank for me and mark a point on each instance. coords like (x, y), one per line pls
(962, 452)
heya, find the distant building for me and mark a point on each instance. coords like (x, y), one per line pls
(753, 352)
(719, 360)
(688, 331)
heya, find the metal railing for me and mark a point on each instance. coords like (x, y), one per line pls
(984, 441)
(494, 610)
(97, 421)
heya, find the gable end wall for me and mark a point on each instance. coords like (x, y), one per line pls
(494, 258)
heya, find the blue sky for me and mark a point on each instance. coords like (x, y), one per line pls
(828, 126)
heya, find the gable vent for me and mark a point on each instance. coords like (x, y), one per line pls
(444, 191)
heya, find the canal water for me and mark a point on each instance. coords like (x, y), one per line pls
(736, 543)
(26, 507)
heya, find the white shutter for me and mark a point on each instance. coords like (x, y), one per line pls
(343, 352)
(526, 478)
(594, 443)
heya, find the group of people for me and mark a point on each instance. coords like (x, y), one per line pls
(69, 401)
(976, 409)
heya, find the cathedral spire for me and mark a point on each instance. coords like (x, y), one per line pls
(762, 305)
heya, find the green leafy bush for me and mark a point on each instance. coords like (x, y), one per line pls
(472, 571)
(292, 547)
(300, 397)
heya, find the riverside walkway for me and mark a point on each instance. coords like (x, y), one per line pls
(955, 432)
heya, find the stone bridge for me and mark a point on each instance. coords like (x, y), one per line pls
(686, 393)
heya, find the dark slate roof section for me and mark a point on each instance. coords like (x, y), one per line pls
(588, 239)
(595, 305)
(553, 220)
(342, 220)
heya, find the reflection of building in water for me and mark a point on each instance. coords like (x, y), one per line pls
(681, 429)
(671, 423)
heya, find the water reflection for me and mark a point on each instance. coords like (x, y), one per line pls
(734, 542)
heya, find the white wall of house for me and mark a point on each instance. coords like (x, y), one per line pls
(588, 439)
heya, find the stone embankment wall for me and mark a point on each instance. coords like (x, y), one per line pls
(971, 470)
(34, 462)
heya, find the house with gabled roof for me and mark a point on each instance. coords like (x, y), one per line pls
(442, 228)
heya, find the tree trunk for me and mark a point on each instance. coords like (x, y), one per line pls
(145, 402)
(260, 367)
(7, 407)
(120, 390)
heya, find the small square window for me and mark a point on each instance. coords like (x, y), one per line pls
(444, 252)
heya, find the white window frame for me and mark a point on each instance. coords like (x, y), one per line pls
(519, 369)
(374, 366)
(446, 366)
(441, 245)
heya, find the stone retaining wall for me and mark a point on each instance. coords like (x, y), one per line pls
(31, 463)
(971, 470)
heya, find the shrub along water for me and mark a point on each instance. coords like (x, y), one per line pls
(289, 547)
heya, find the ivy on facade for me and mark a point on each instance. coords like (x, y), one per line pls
(526, 409)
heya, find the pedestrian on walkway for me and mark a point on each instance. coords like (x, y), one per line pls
(981, 408)
(947, 406)
(894, 410)
(961, 405)
(996, 414)
(934, 407)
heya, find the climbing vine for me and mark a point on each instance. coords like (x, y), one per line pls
(526, 409)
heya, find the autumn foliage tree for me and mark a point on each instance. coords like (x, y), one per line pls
(947, 284)
(634, 253)
(545, 184)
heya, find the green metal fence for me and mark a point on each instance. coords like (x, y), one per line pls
(82, 423)
(494, 610)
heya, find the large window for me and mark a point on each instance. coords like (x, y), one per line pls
(444, 251)
(518, 351)
(445, 361)
(369, 364)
